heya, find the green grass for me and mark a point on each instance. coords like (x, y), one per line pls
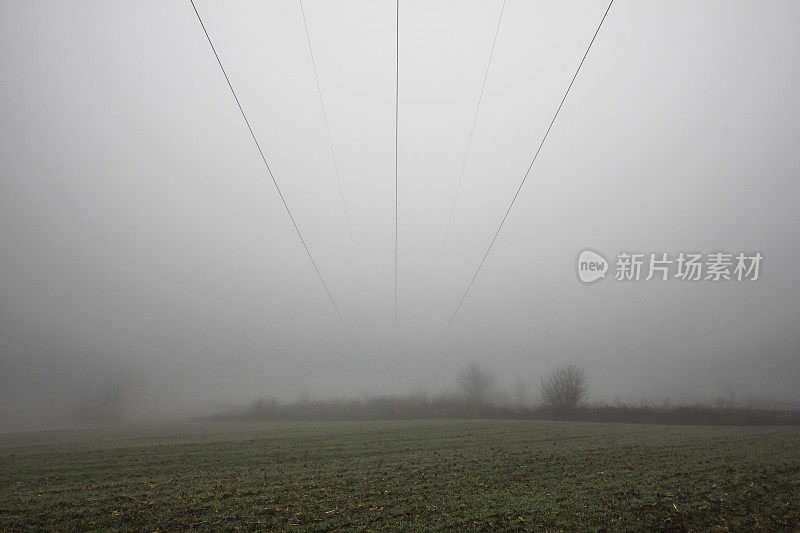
(475, 474)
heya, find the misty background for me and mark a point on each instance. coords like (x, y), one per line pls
(143, 247)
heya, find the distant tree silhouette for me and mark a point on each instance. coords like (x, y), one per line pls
(564, 387)
(520, 393)
(474, 383)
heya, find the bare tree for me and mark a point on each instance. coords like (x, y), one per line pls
(475, 383)
(420, 395)
(564, 387)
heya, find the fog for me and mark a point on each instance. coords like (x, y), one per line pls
(143, 246)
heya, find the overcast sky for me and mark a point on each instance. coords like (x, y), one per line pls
(142, 241)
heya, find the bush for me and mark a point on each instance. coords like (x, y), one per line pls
(565, 387)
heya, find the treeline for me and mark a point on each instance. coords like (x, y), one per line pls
(401, 407)
(561, 396)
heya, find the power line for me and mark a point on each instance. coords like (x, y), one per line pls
(269, 171)
(472, 132)
(396, 115)
(536, 155)
(328, 130)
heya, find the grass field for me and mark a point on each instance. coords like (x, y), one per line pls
(475, 474)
